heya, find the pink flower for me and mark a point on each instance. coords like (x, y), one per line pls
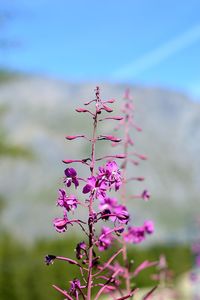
(122, 214)
(138, 234)
(90, 186)
(105, 239)
(97, 186)
(108, 203)
(134, 235)
(75, 287)
(112, 210)
(71, 177)
(70, 203)
(111, 174)
(149, 227)
(61, 223)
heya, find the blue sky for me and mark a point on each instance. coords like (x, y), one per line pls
(153, 42)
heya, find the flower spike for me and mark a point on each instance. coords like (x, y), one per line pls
(94, 194)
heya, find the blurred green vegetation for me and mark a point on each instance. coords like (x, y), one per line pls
(24, 275)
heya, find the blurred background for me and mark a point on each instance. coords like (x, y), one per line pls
(52, 55)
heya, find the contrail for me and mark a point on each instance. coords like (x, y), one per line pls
(158, 55)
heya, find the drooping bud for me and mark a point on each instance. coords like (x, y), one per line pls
(106, 108)
(73, 137)
(145, 195)
(109, 138)
(81, 110)
(121, 156)
(117, 118)
(69, 161)
(110, 101)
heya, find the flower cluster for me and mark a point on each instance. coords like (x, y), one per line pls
(136, 235)
(132, 234)
(107, 178)
(68, 203)
(94, 196)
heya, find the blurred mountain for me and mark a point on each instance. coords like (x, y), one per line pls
(41, 113)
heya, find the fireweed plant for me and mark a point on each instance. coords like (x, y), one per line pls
(109, 276)
(131, 234)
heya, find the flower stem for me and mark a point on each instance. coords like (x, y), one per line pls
(90, 220)
(127, 120)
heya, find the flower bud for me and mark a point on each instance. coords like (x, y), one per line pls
(73, 137)
(108, 109)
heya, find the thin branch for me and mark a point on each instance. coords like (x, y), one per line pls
(144, 265)
(83, 229)
(108, 262)
(62, 292)
(120, 156)
(135, 290)
(147, 296)
(106, 284)
(87, 103)
(84, 298)
(70, 261)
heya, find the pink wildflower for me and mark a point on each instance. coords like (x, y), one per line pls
(71, 177)
(111, 174)
(61, 223)
(105, 239)
(149, 227)
(70, 203)
(96, 186)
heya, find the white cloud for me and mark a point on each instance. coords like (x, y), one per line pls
(158, 55)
